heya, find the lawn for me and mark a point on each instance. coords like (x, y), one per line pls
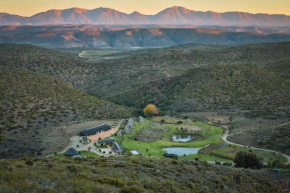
(97, 53)
(208, 135)
(218, 151)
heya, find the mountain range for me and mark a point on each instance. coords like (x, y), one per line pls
(170, 16)
(71, 36)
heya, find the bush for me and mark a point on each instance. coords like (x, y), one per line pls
(247, 160)
(148, 165)
(29, 162)
(132, 189)
(112, 181)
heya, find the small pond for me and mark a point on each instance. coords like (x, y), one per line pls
(180, 151)
(182, 138)
(134, 152)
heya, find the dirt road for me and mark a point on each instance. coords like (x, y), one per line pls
(226, 135)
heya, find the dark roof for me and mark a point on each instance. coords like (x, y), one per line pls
(85, 138)
(95, 130)
(110, 140)
(169, 155)
(71, 152)
(116, 147)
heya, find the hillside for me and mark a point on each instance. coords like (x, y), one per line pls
(129, 70)
(125, 175)
(33, 105)
(170, 16)
(140, 68)
(72, 36)
(55, 64)
(247, 87)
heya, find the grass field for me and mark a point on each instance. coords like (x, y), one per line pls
(217, 151)
(96, 54)
(209, 135)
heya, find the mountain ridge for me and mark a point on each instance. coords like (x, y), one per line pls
(173, 15)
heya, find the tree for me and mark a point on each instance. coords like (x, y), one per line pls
(247, 160)
(151, 110)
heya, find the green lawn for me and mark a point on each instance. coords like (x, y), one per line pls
(209, 134)
(97, 53)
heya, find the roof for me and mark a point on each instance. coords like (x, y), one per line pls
(121, 132)
(116, 147)
(110, 140)
(71, 152)
(169, 155)
(95, 129)
(85, 138)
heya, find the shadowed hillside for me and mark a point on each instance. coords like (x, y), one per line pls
(33, 105)
(109, 78)
(248, 87)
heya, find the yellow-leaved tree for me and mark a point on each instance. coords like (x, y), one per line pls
(151, 110)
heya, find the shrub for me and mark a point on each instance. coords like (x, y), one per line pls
(247, 160)
(135, 161)
(29, 162)
(174, 162)
(132, 189)
(112, 181)
(148, 165)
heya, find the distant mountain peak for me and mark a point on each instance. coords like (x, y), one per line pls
(176, 15)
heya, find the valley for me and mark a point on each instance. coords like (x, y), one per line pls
(220, 99)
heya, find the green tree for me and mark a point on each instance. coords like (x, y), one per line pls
(247, 160)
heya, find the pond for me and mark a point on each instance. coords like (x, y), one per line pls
(182, 138)
(180, 151)
(134, 152)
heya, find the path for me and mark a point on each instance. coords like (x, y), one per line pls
(226, 135)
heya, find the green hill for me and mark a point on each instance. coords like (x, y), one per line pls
(112, 77)
(33, 104)
(248, 87)
(55, 64)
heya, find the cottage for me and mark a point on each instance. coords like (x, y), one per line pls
(121, 133)
(95, 130)
(130, 123)
(85, 139)
(141, 119)
(118, 149)
(128, 129)
(170, 155)
(109, 141)
(71, 152)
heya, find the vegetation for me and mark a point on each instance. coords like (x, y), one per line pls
(229, 152)
(248, 87)
(150, 110)
(274, 135)
(130, 175)
(149, 137)
(247, 160)
(31, 103)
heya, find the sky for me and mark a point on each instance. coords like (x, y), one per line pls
(31, 7)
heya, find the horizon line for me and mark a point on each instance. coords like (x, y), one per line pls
(143, 13)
